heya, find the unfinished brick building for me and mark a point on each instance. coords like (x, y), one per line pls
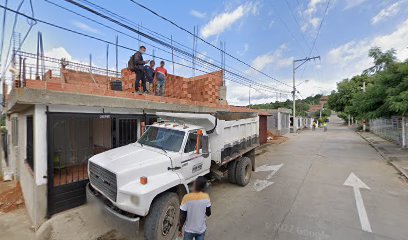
(57, 122)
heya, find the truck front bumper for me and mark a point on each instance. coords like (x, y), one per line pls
(93, 197)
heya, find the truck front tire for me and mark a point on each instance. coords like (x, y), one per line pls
(243, 171)
(163, 218)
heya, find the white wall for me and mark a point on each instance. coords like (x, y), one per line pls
(40, 144)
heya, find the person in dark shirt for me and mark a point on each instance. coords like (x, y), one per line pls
(194, 210)
(149, 75)
(139, 68)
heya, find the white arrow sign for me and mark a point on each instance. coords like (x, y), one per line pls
(355, 182)
(260, 185)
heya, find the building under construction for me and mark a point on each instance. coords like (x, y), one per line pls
(60, 113)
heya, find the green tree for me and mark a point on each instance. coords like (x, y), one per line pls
(386, 89)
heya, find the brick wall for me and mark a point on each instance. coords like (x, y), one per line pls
(200, 90)
(204, 88)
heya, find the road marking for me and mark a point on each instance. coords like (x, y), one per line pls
(355, 182)
(259, 184)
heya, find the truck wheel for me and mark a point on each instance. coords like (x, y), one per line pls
(243, 171)
(232, 166)
(162, 221)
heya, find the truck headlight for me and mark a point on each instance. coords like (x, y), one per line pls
(135, 199)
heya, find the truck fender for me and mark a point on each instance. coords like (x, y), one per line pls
(156, 185)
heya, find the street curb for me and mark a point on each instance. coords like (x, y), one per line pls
(385, 157)
(400, 169)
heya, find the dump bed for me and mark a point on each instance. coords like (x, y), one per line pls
(233, 137)
(229, 133)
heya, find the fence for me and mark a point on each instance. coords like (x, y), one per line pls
(278, 123)
(389, 129)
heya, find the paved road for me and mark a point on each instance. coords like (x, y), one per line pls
(307, 199)
(297, 193)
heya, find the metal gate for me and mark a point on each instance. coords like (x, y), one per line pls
(30, 142)
(72, 140)
(125, 131)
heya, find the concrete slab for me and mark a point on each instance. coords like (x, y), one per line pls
(15, 225)
(22, 98)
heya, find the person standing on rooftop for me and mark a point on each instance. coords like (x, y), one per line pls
(139, 68)
(161, 76)
(149, 75)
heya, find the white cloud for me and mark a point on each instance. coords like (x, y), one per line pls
(353, 3)
(312, 7)
(58, 52)
(389, 11)
(271, 23)
(85, 27)
(273, 60)
(311, 22)
(352, 58)
(224, 21)
(198, 14)
(239, 95)
(246, 48)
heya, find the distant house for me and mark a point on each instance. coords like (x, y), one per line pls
(277, 120)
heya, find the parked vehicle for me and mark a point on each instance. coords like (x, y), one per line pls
(147, 179)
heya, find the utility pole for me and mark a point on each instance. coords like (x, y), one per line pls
(249, 96)
(364, 121)
(295, 67)
(404, 144)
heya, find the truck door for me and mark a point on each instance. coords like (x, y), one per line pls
(193, 164)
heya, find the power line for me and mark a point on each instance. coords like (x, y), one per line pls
(320, 27)
(31, 24)
(3, 32)
(125, 47)
(158, 41)
(203, 40)
(123, 19)
(297, 23)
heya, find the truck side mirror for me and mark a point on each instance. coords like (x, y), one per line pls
(205, 146)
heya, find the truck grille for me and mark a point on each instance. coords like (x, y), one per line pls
(103, 180)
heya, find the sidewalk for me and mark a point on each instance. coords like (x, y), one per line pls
(391, 152)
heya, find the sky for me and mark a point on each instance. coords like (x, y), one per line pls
(268, 35)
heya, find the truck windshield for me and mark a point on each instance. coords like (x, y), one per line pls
(163, 138)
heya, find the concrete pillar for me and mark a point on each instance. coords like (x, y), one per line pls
(279, 122)
(40, 144)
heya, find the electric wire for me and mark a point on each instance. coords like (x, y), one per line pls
(3, 32)
(31, 25)
(128, 35)
(208, 43)
(132, 29)
(128, 48)
(159, 41)
(320, 27)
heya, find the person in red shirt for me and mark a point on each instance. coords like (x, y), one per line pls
(160, 76)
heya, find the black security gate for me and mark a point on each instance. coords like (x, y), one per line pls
(30, 142)
(72, 140)
(124, 131)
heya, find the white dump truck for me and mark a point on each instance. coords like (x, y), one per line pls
(147, 179)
